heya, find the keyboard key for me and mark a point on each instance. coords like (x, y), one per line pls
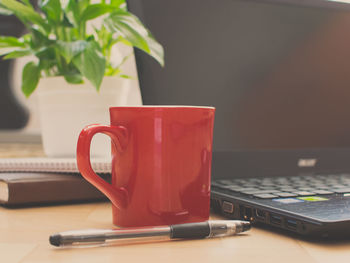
(258, 191)
(284, 185)
(239, 181)
(304, 193)
(289, 190)
(306, 188)
(268, 184)
(325, 187)
(341, 190)
(285, 194)
(341, 186)
(322, 192)
(319, 185)
(265, 196)
(243, 189)
(268, 187)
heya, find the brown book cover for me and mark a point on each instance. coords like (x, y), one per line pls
(28, 188)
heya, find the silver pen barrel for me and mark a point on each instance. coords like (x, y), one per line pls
(100, 236)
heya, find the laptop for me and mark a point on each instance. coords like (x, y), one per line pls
(278, 74)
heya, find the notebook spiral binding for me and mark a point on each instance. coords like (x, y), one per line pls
(64, 165)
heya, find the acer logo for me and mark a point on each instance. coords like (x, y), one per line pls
(307, 162)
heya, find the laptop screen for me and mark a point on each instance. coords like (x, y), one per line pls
(277, 73)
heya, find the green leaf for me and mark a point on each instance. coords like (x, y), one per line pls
(91, 63)
(52, 9)
(46, 65)
(26, 2)
(126, 76)
(112, 71)
(30, 78)
(74, 79)
(128, 27)
(25, 13)
(71, 49)
(7, 50)
(117, 3)
(4, 11)
(38, 39)
(90, 38)
(18, 54)
(26, 38)
(106, 40)
(72, 12)
(96, 10)
(66, 22)
(132, 30)
(156, 49)
(45, 54)
(84, 4)
(10, 42)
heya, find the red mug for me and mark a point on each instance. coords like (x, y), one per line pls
(161, 164)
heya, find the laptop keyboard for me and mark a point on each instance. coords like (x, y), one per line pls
(294, 186)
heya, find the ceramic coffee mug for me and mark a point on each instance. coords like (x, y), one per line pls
(161, 164)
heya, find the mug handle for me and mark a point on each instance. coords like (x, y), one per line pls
(119, 136)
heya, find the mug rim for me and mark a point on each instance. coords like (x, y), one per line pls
(163, 107)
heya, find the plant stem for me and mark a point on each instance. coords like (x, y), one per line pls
(82, 29)
(64, 34)
(59, 62)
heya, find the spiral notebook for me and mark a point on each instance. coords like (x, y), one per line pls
(63, 165)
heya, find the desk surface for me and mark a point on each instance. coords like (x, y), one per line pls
(24, 237)
(24, 234)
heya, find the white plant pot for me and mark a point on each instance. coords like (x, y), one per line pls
(65, 109)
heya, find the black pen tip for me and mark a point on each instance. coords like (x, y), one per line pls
(55, 240)
(246, 226)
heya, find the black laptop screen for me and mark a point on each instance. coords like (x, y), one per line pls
(278, 74)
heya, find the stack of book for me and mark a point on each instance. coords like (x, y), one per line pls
(33, 181)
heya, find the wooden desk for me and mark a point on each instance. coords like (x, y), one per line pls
(24, 237)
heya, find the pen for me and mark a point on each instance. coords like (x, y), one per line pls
(208, 229)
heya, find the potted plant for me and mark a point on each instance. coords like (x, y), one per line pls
(71, 42)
